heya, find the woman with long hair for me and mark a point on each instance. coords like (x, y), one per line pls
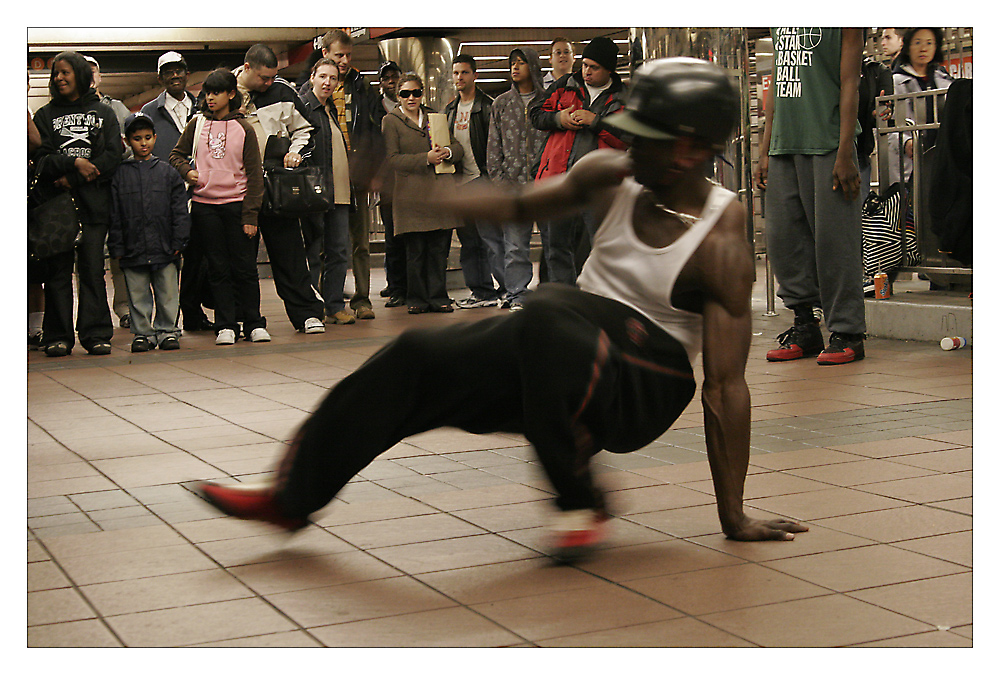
(217, 154)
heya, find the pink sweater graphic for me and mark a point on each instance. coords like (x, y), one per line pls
(219, 160)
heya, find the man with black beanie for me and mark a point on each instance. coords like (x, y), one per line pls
(571, 110)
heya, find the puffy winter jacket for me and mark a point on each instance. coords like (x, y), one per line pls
(149, 213)
(565, 146)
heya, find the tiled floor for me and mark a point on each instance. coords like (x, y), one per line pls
(438, 543)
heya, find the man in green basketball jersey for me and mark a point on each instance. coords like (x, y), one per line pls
(809, 167)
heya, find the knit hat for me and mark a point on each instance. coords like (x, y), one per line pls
(603, 51)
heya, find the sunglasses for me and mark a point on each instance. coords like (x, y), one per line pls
(407, 93)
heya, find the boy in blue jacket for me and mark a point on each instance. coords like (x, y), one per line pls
(150, 226)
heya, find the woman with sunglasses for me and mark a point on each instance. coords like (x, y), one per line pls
(425, 230)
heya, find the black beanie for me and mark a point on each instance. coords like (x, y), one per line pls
(603, 51)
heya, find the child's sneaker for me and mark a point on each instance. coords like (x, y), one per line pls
(226, 336)
(576, 534)
(260, 335)
(141, 344)
(844, 348)
(249, 502)
(169, 343)
(314, 325)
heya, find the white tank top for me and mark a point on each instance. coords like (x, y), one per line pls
(623, 268)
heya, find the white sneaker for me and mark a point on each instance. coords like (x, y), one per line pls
(226, 336)
(313, 325)
(259, 335)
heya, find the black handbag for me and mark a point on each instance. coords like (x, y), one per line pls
(294, 192)
(299, 191)
(53, 223)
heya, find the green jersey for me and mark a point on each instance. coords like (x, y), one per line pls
(806, 82)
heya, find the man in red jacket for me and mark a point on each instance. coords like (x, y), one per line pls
(571, 110)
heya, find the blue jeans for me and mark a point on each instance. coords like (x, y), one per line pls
(148, 288)
(511, 243)
(478, 265)
(336, 243)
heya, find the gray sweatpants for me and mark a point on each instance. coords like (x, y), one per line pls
(814, 239)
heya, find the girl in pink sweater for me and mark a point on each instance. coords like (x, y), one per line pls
(219, 157)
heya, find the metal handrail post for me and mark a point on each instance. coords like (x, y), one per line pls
(769, 286)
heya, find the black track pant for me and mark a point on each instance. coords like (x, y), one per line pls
(574, 372)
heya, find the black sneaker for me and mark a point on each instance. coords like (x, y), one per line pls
(169, 343)
(802, 339)
(141, 344)
(99, 349)
(844, 348)
(125, 321)
(58, 349)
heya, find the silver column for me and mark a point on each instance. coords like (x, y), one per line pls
(726, 48)
(428, 57)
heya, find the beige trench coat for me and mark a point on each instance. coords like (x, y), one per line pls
(406, 147)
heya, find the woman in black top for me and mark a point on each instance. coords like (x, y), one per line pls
(81, 149)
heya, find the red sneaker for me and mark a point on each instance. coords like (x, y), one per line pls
(577, 534)
(844, 348)
(802, 339)
(249, 502)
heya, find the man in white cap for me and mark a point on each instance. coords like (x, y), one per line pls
(172, 109)
(170, 112)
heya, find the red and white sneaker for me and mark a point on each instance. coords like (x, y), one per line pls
(574, 535)
(249, 502)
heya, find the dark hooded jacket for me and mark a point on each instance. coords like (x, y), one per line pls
(82, 128)
(564, 147)
(150, 221)
(514, 143)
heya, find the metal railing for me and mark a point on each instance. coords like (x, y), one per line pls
(926, 116)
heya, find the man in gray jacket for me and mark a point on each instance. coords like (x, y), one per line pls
(513, 145)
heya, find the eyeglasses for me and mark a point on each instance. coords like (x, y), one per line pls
(407, 93)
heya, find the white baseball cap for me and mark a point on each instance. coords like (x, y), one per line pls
(168, 58)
